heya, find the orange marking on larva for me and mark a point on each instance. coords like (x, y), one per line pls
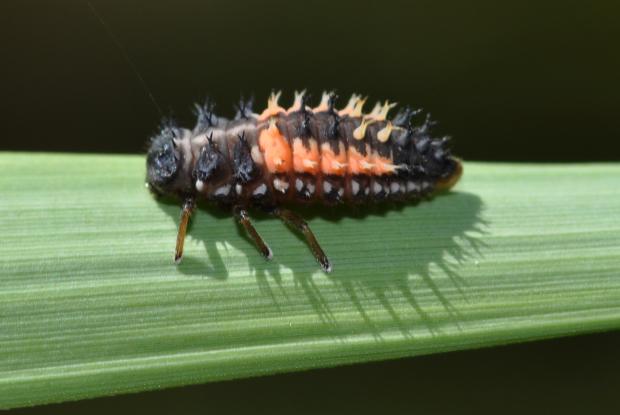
(380, 112)
(384, 134)
(358, 163)
(348, 109)
(272, 107)
(306, 160)
(324, 105)
(382, 165)
(360, 132)
(332, 163)
(375, 111)
(276, 151)
(387, 106)
(357, 108)
(298, 102)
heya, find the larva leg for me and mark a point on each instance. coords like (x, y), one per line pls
(295, 221)
(186, 213)
(241, 215)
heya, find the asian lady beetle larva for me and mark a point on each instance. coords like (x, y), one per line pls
(298, 155)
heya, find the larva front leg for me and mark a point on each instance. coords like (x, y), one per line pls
(242, 217)
(186, 212)
(295, 221)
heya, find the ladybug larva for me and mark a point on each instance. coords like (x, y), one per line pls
(298, 155)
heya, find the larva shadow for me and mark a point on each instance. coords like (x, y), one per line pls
(436, 237)
(440, 238)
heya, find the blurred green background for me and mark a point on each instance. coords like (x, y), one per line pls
(510, 80)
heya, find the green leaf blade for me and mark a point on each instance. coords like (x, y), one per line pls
(91, 303)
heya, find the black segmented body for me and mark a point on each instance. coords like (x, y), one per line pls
(300, 155)
(222, 160)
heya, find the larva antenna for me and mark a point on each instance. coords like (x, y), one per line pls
(125, 55)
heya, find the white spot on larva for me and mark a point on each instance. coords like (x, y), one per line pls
(299, 184)
(367, 191)
(257, 156)
(341, 192)
(411, 186)
(394, 187)
(327, 187)
(311, 188)
(355, 187)
(200, 185)
(260, 190)
(238, 188)
(280, 185)
(269, 254)
(377, 188)
(222, 191)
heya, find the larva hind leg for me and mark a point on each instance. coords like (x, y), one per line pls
(242, 217)
(295, 221)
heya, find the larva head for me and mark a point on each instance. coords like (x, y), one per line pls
(163, 162)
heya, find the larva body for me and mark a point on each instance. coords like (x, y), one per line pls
(299, 155)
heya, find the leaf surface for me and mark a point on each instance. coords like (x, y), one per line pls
(91, 303)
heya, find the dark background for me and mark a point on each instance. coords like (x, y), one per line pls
(509, 80)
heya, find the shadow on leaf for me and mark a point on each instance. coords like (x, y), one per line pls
(438, 238)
